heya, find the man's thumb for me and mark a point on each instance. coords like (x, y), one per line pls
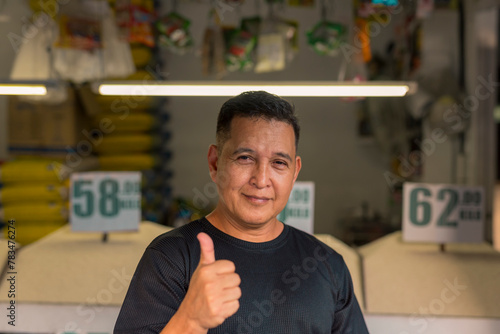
(207, 255)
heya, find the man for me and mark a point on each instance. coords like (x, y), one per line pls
(239, 269)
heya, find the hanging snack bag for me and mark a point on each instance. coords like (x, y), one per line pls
(213, 48)
(272, 46)
(135, 22)
(79, 33)
(326, 38)
(239, 50)
(290, 29)
(88, 46)
(173, 33)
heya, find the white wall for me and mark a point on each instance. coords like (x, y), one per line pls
(440, 51)
(484, 41)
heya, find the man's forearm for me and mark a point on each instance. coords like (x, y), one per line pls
(182, 324)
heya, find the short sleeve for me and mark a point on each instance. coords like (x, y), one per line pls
(155, 293)
(348, 317)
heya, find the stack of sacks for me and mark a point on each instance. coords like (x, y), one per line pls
(141, 55)
(34, 193)
(136, 139)
(131, 138)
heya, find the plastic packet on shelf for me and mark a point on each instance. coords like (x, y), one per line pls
(135, 21)
(173, 33)
(239, 51)
(326, 37)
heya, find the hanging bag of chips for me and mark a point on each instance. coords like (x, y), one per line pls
(276, 42)
(212, 52)
(88, 46)
(326, 37)
(135, 21)
(240, 50)
(173, 33)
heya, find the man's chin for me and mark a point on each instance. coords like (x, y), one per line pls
(258, 222)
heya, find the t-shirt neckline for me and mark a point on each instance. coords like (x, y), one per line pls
(267, 245)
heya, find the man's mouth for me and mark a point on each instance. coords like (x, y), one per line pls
(257, 199)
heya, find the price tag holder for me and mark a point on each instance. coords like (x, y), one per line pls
(443, 213)
(105, 201)
(299, 210)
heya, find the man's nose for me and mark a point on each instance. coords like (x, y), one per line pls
(260, 178)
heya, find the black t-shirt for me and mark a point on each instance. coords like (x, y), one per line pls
(292, 284)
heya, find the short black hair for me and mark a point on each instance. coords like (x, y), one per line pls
(255, 104)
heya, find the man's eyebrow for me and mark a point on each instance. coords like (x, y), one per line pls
(243, 150)
(284, 155)
(249, 150)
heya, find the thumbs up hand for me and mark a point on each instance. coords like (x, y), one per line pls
(214, 290)
(207, 255)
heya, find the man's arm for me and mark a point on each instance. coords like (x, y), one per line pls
(212, 295)
(157, 294)
(348, 315)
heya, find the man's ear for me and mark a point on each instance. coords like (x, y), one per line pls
(298, 166)
(212, 161)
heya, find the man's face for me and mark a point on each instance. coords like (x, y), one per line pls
(255, 171)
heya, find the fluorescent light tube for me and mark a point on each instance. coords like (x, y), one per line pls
(22, 89)
(304, 89)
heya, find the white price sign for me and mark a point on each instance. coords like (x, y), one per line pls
(443, 213)
(105, 201)
(299, 210)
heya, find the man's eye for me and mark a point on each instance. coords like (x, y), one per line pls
(281, 163)
(244, 158)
